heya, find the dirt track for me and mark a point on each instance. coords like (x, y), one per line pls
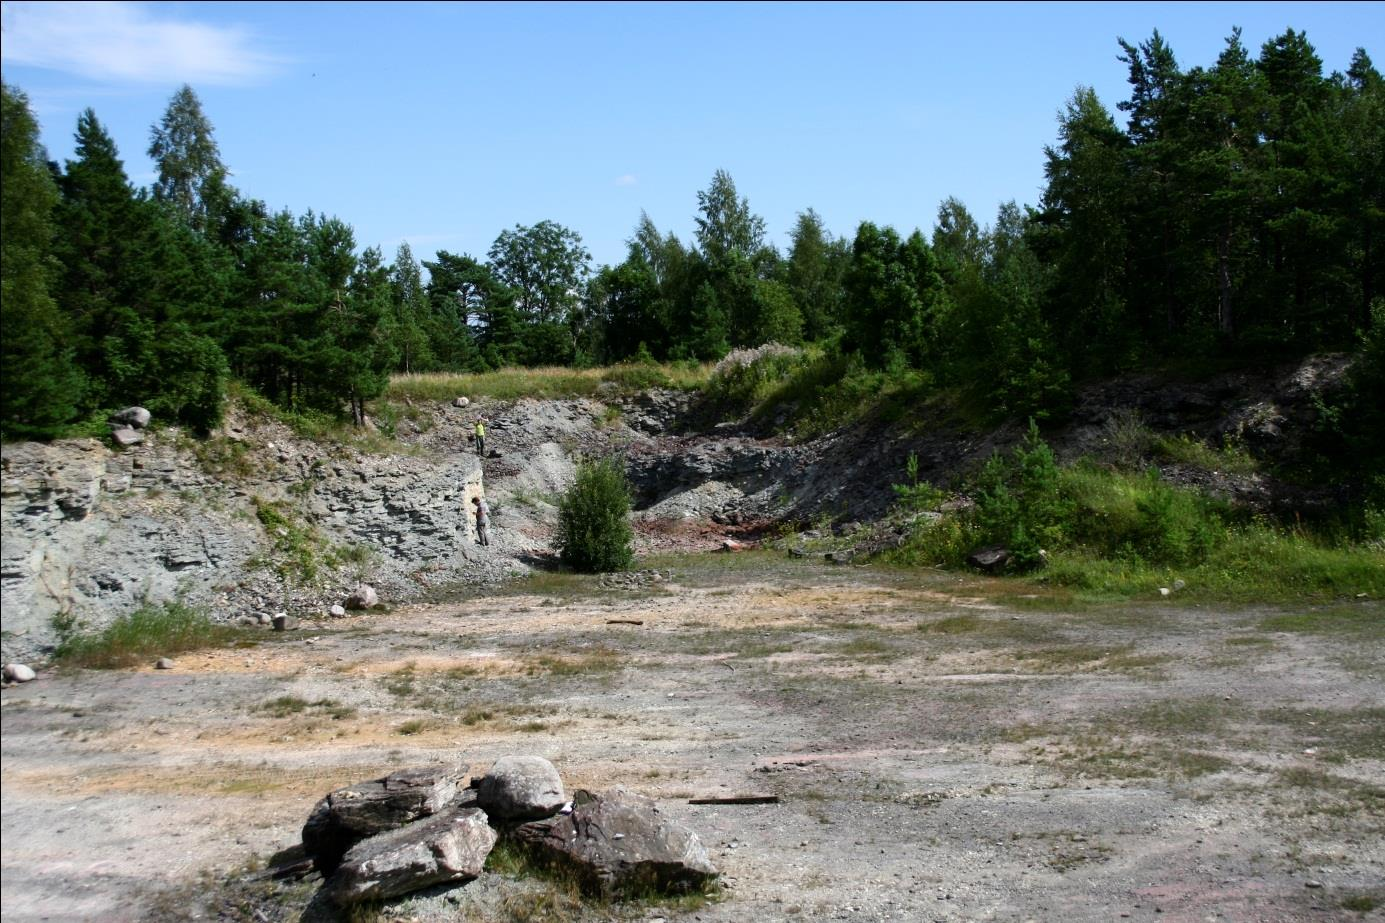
(942, 751)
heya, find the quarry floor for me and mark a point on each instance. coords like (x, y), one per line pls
(941, 747)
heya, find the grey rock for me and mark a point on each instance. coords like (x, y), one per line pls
(363, 597)
(135, 417)
(620, 843)
(349, 815)
(990, 558)
(163, 664)
(337, 611)
(125, 437)
(283, 621)
(521, 788)
(451, 846)
(461, 402)
(19, 673)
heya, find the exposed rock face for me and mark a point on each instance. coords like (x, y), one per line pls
(349, 815)
(451, 846)
(619, 843)
(93, 531)
(521, 788)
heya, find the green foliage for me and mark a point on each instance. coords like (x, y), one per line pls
(916, 495)
(746, 376)
(1019, 501)
(594, 534)
(43, 388)
(150, 631)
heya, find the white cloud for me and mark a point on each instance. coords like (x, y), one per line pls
(629, 179)
(129, 42)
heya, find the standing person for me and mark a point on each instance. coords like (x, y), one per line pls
(483, 520)
(481, 437)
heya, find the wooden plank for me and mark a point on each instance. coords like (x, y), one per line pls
(737, 799)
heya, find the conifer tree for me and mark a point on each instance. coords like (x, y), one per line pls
(43, 387)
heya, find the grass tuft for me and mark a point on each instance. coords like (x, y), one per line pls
(136, 637)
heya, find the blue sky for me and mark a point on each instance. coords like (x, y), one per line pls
(444, 124)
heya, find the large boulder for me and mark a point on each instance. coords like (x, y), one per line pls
(349, 815)
(618, 843)
(135, 417)
(451, 846)
(521, 788)
(19, 673)
(363, 597)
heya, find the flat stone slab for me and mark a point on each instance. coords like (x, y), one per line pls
(451, 846)
(619, 843)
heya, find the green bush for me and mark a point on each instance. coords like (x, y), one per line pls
(746, 376)
(150, 631)
(1020, 503)
(594, 534)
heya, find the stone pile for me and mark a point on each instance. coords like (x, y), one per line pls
(417, 828)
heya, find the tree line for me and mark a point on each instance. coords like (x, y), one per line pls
(1236, 213)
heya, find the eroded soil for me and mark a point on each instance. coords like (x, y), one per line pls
(942, 749)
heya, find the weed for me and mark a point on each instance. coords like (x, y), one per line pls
(150, 631)
(413, 726)
(288, 705)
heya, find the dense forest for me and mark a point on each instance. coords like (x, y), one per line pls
(1235, 215)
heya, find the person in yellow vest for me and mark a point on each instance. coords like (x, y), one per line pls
(481, 437)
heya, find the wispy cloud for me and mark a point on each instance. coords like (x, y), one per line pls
(629, 179)
(132, 43)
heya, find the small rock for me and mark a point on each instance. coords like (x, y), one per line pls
(990, 558)
(1179, 584)
(19, 673)
(1164, 591)
(283, 621)
(461, 402)
(1311, 883)
(337, 612)
(164, 664)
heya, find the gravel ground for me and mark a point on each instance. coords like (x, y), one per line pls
(941, 748)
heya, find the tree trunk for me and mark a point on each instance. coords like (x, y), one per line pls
(1225, 320)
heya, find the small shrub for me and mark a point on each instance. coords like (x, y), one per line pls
(594, 534)
(745, 376)
(150, 631)
(1019, 502)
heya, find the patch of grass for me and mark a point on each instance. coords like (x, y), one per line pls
(954, 625)
(288, 705)
(602, 660)
(413, 726)
(1355, 733)
(1369, 618)
(1364, 903)
(547, 383)
(149, 632)
(865, 647)
(1187, 450)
